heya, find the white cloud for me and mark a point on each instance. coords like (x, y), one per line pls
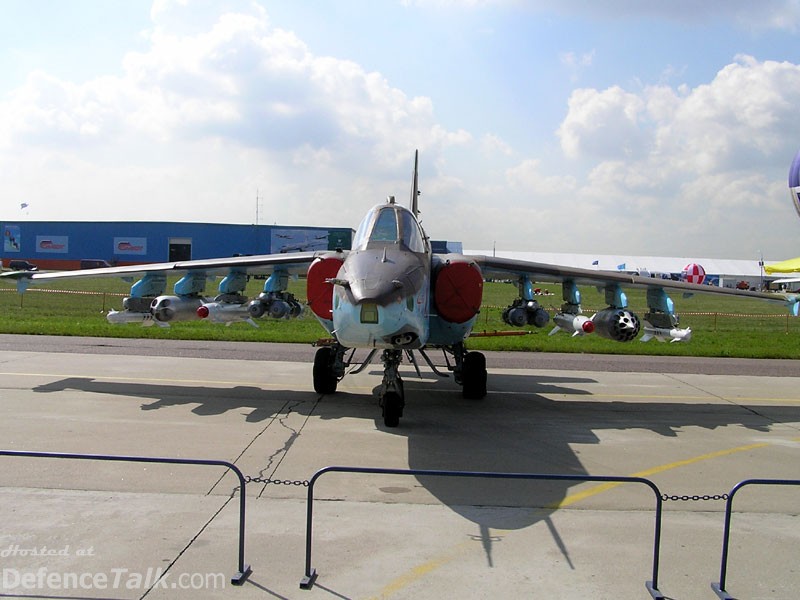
(662, 153)
(527, 176)
(239, 82)
(220, 106)
(575, 61)
(494, 144)
(739, 119)
(209, 99)
(603, 123)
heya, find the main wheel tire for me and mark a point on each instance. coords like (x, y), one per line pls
(473, 376)
(325, 380)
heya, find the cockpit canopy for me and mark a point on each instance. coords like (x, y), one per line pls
(389, 223)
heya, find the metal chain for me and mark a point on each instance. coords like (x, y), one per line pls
(706, 497)
(305, 483)
(270, 481)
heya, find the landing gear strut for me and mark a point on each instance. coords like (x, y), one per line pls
(391, 395)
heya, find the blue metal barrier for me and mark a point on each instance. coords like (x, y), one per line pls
(310, 575)
(244, 570)
(719, 588)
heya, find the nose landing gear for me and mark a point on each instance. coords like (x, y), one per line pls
(392, 404)
(391, 395)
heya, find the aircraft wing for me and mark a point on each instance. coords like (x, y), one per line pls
(617, 321)
(149, 302)
(500, 268)
(252, 265)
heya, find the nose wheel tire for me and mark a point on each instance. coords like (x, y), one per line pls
(392, 403)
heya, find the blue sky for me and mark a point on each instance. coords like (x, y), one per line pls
(617, 127)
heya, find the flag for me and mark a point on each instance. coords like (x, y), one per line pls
(595, 262)
(23, 205)
(621, 267)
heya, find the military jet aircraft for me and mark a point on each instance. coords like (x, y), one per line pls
(391, 294)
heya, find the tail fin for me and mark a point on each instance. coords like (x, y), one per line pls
(415, 187)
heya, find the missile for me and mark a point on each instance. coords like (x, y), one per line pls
(575, 324)
(225, 312)
(120, 317)
(662, 334)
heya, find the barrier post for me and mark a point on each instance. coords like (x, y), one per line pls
(310, 574)
(244, 569)
(719, 588)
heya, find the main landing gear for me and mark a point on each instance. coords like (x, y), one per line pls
(469, 371)
(328, 368)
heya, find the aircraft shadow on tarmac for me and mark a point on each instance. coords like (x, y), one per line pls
(515, 429)
(205, 401)
(525, 432)
(266, 403)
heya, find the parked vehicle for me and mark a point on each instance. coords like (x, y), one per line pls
(22, 265)
(94, 263)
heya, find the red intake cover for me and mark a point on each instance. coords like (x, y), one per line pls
(458, 291)
(319, 291)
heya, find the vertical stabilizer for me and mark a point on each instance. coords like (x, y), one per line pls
(415, 187)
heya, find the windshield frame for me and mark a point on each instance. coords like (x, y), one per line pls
(407, 230)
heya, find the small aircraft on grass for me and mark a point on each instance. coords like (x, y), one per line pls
(391, 294)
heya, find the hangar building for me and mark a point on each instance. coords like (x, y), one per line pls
(71, 245)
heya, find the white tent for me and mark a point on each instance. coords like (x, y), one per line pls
(730, 270)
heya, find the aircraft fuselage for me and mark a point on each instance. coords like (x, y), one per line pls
(382, 298)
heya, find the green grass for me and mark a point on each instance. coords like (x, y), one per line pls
(762, 329)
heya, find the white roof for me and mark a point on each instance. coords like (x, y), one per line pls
(652, 264)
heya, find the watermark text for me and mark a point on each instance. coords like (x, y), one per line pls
(113, 579)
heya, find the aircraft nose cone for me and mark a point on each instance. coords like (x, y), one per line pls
(382, 276)
(372, 289)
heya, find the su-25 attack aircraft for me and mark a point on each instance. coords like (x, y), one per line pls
(391, 294)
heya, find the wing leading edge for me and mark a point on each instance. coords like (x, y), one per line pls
(253, 265)
(496, 268)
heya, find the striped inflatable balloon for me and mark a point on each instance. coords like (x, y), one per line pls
(693, 273)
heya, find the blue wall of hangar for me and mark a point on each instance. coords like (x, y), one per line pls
(63, 245)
